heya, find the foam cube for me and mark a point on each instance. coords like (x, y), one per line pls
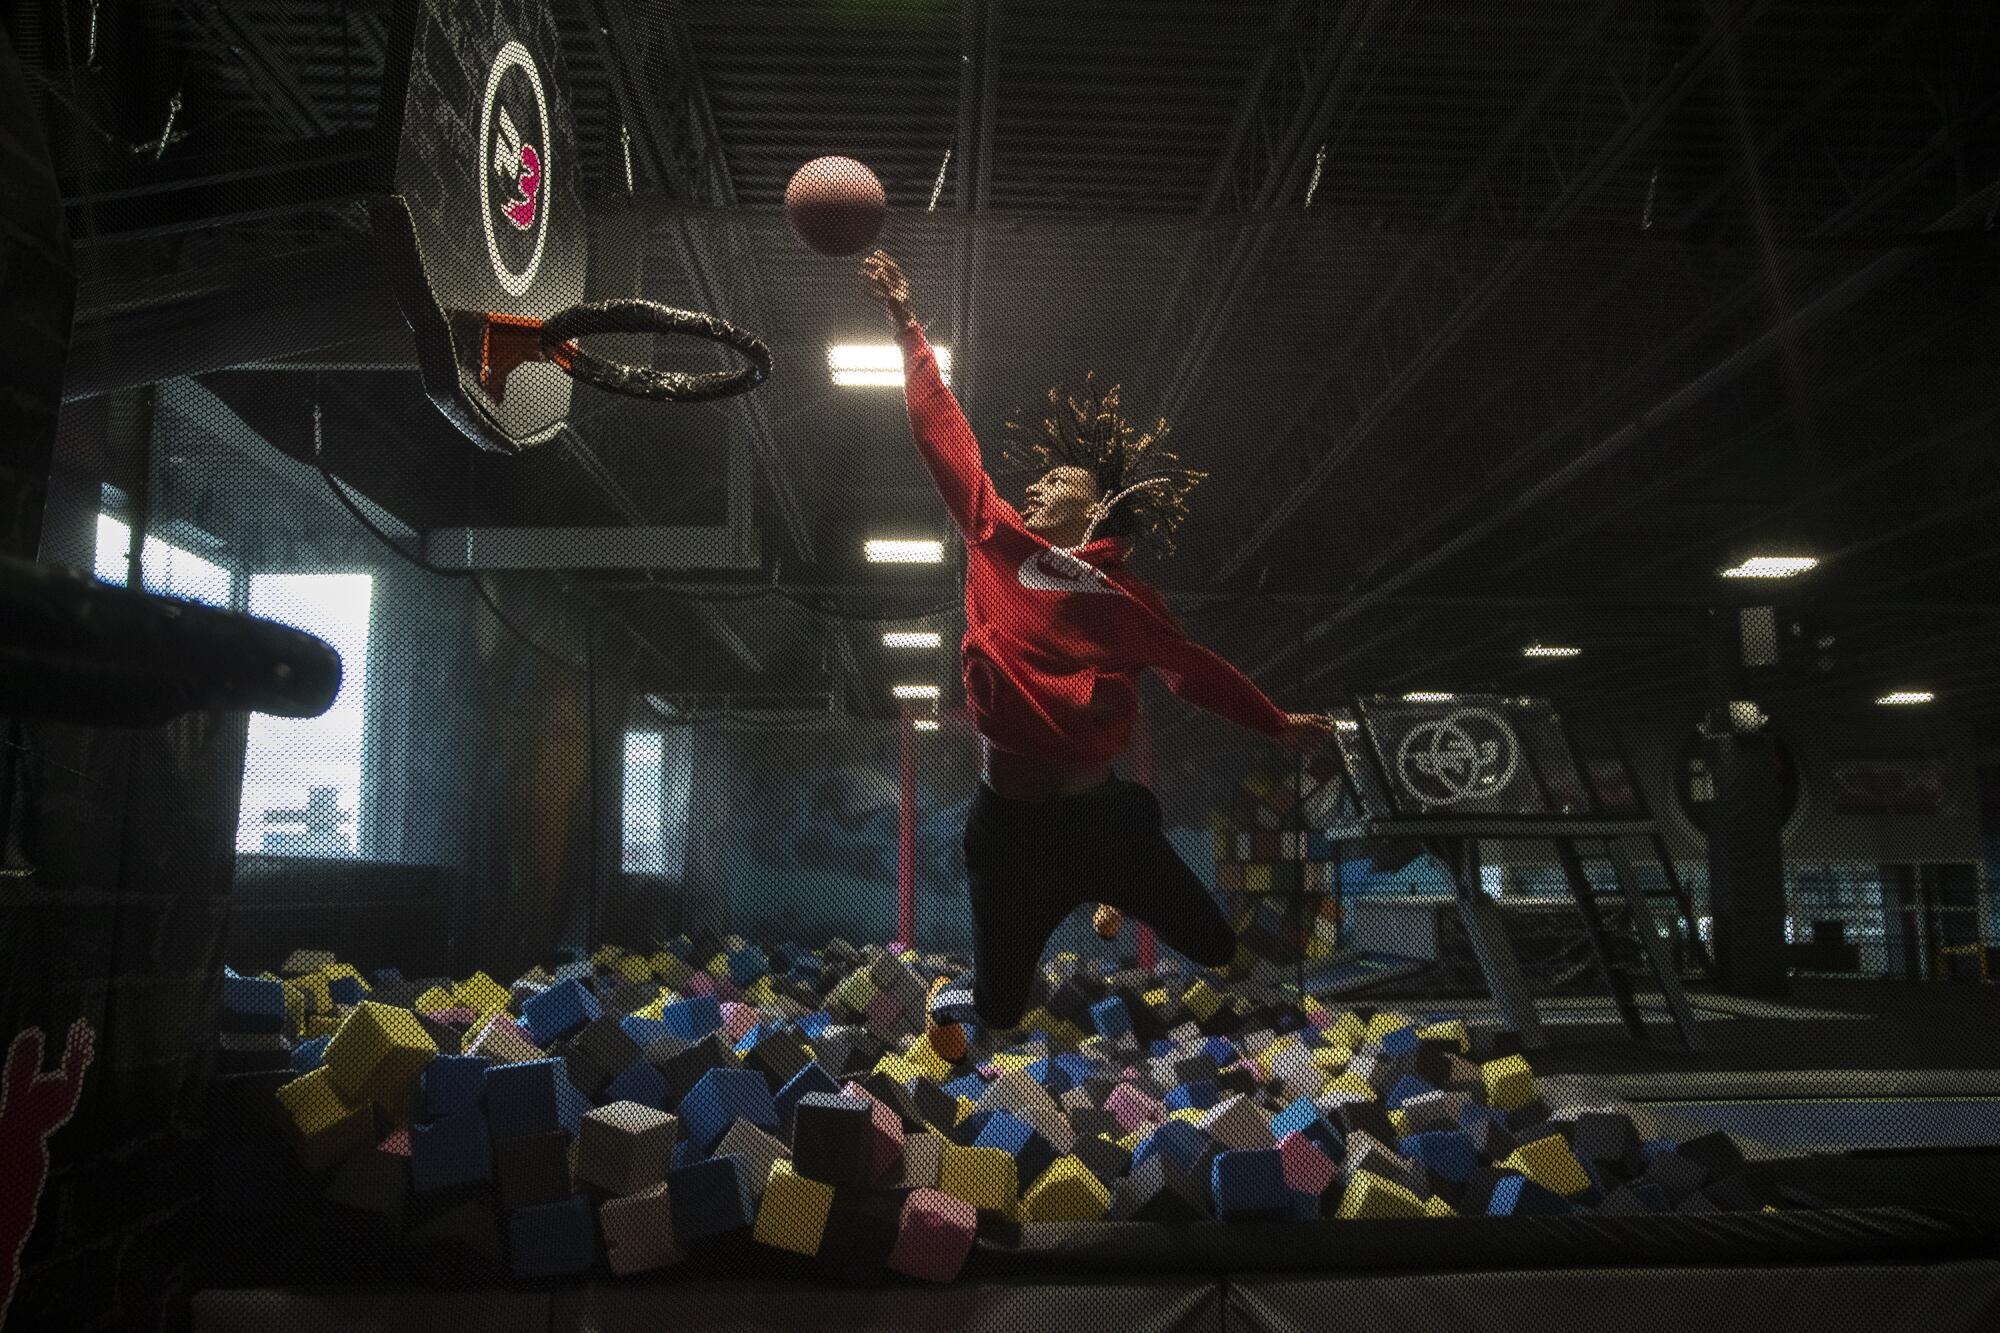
(934, 1236)
(500, 1041)
(1307, 1169)
(452, 1085)
(448, 1152)
(1371, 1196)
(521, 1099)
(811, 1079)
(253, 1004)
(831, 1138)
(693, 1018)
(1019, 1140)
(1549, 1163)
(986, 1178)
(758, 1151)
(711, 1197)
(378, 1052)
(1510, 1084)
(638, 1231)
(639, 1082)
(625, 1148)
(1516, 1196)
(793, 1213)
(552, 1239)
(324, 1125)
(534, 1170)
(481, 994)
(1443, 1153)
(1238, 1123)
(721, 1096)
(1068, 1191)
(1250, 1184)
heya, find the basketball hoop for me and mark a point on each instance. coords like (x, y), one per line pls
(504, 342)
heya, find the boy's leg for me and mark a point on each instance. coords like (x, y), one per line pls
(1013, 877)
(1154, 884)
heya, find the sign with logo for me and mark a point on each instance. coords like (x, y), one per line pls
(511, 199)
(1467, 755)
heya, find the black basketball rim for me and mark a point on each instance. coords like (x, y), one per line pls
(636, 315)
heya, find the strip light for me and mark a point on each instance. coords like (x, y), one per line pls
(915, 691)
(910, 638)
(1897, 698)
(867, 365)
(1771, 567)
(1549, 650)
(899, 551)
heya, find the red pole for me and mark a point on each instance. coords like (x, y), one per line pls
(906, 841)
(1142, 764)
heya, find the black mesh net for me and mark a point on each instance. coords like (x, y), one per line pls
(1540, 817)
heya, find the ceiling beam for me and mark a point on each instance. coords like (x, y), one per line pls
(972, 155)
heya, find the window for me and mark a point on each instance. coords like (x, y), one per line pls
(659, 787)
(171, 571)
(302, 776)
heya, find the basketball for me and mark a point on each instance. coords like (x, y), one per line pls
(836, 205)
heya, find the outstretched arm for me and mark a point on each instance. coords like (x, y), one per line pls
(1202, 677)
(944, 438)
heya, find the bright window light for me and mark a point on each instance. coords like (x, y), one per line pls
(170, 571)
(1771, 567)
(1897, 698)
(915, 691)
(906, 638)
(302, 775)
(925, 724)
(863, 365)
(659, 791)
(896, 551)
(1549, 650)
(1422, 697)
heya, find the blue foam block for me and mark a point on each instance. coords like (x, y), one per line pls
(1518, 1196)
(1019, 1140)
(563, 1010)
(968, 1085)
(684, 1155)
(1177, 1140)
(1402, 1041)
(641, 1083)
(1475, 1112)
(809, 1079)
(1249, 1184)
(345, 990)
(1445, 1153)
(1198, 1095)
(1406, 1088)
(577, 969)
(520, 1099)
(452, 1084)
(693, 1018)
(1111, 1018)
(1296, 1118)
(644, 1031)
(571, 1104)
(722, 1096)
(452, 1151)
(747, 964)
(815, 1023)
(1077, 1067)
(1220, 1050)
(710, 1197)
(552, 1239)
(310, 1055)
(386, 976)
(253, 1004)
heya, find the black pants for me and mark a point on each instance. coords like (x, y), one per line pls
(1031, 863)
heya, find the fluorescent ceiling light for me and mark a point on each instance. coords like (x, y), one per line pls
(1345, 724)
(909, 638)
(1771, 567)
(1428, 698)
(915, 691)
(862, 365)
(925, 724)
(1898, 697)
(895, 551)
(1549, 650)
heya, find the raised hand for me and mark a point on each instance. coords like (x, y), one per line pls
(1306, 731)
(883, 280)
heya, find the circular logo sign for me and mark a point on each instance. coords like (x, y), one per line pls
(1463, 756)
(514, 170)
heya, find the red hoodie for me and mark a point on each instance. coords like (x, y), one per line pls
(1055, 640)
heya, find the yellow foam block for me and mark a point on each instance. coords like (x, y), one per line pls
(312, 989)
(378, 1053)
(1353, 1083)
(986, 1178)
(1436, 1207)
(966, 1106)
(315, 1102)
(793, 1213)
(319, 1025)
(1387, 1021)
(1155, 997)
(761, 991)
(1040, 1019)
(606, 955)
(718, 966)
(1454, 1031)
(1130, 1143)
(437, 997)
(673, 971)
(1257, 877)
(1067, 1192)
(1193, 1115)
(1549, 1163)
(633, 968)
(1348, 1031)
(481, 994)
(1318, 948)
(334, 971)
(1202, 999)
(1510, 1084)
(1332, 1059)
(1369, 1195)
(925, 1059)
(897, 1068)
(1009, 1061)
(855, 991)
(1399, 1122)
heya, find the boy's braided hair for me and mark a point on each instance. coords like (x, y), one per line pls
(1088, 430)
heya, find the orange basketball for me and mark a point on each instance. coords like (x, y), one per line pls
(836, 205)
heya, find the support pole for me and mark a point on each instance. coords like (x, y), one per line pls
(906, 838)
(1142, 766)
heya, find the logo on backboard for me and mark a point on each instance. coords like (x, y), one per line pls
(1468, 754)
(513, 178)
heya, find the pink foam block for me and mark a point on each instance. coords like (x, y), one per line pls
(701, 983)
(935, 1236)
(1132, 1107)
(725, 989)
(884, 1011)
(737, 1020)
(885, 1140)
(1307, 1169)
(457, 1016)
(397, 1144)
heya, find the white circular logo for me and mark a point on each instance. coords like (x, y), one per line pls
(1460, 757)
(514, 167)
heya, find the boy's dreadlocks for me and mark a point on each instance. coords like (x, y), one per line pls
(1088, 431)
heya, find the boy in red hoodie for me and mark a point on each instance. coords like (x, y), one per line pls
(1058, 629)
